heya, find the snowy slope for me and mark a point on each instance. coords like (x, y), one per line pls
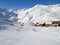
(29, 35)
(39, 13)
(6, 14)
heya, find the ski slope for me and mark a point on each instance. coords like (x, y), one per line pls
(30, 35)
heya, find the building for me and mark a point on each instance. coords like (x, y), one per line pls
(48, 24)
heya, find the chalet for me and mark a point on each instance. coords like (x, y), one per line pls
(48, 24)
(56, 23)
(43, 25)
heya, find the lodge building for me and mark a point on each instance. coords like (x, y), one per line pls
(48, 24)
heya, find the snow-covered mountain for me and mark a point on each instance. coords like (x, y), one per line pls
(12, 33)
(9, 15)
(38, 13)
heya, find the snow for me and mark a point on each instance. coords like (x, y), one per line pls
(40, 13)
(16, 26)
(30, 35)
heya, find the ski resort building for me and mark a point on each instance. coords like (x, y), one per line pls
(48, 24)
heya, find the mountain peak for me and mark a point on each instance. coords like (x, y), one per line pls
(37, 13)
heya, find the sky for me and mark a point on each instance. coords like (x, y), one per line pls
(18, 4)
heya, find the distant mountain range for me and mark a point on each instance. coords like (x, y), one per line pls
(38, 13)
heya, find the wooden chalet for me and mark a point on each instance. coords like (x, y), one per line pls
(53, 23)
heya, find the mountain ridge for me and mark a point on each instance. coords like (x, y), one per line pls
(38, 13)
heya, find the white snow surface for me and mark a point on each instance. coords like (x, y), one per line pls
(29, 35)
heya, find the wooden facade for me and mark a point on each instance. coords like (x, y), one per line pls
(54, 23)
